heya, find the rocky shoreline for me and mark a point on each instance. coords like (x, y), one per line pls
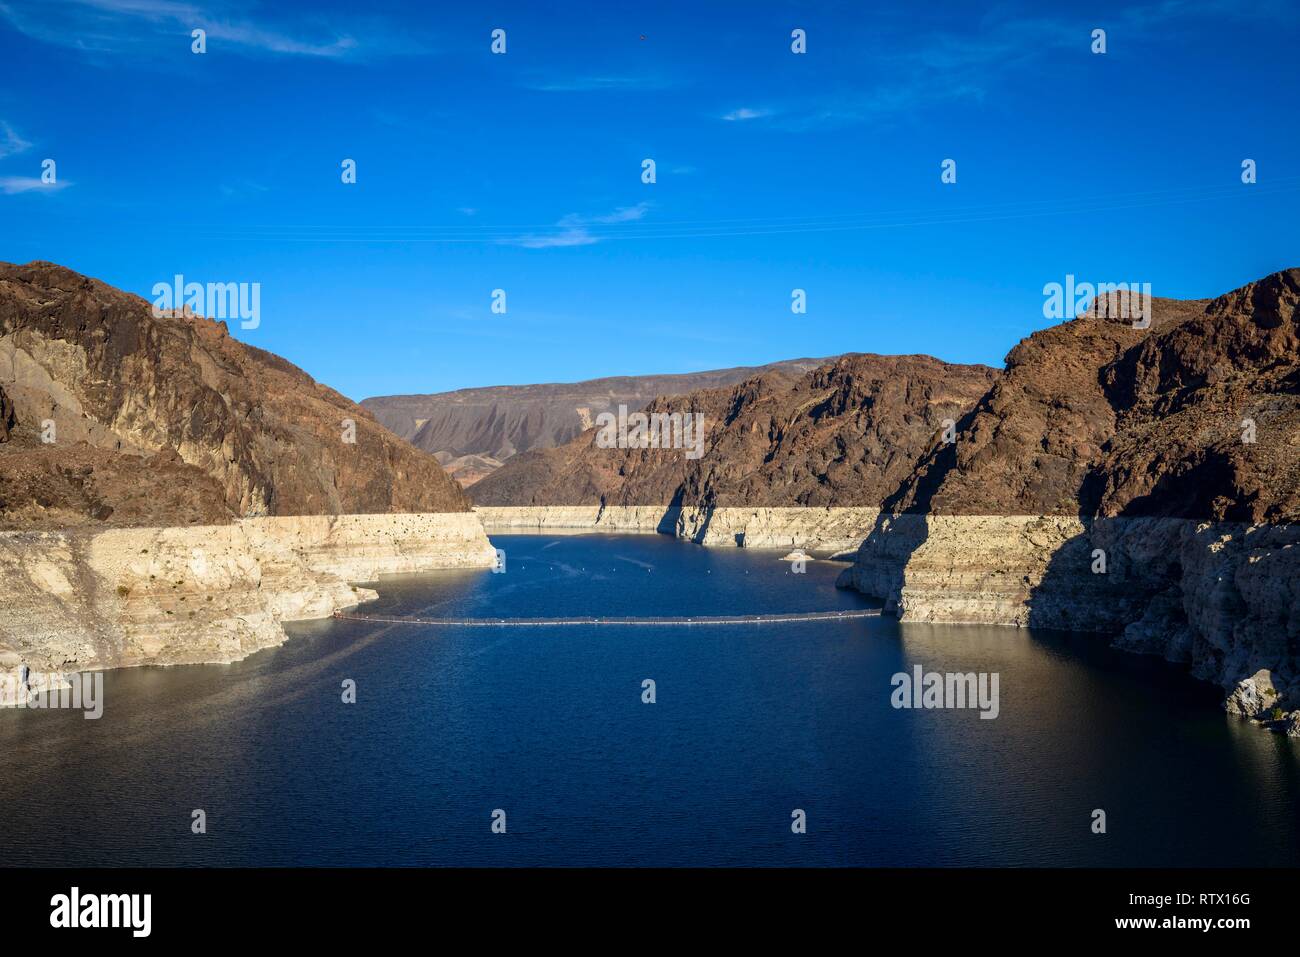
(1137, 480)
(1222, 598)
(87, 599)
(172, 495)
(838, 531)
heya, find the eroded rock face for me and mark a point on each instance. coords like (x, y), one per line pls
(53, 486)
(843, 434)
(1095, 417)
(1222, 598)
(91, 598)
(1139, 482)
(168, 494)
(1208, 413)
(105, 371)
(1252, 696)
(833, 529)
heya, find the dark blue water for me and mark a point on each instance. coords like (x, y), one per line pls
(548, 724)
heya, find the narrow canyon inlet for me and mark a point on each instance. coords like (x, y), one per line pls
(555, 734)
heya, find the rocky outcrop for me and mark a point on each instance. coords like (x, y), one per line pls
(467, 469)
(834, 530)
(1135, 481)
(173, 495)
(86, 363)
(361, 548)
(787, 461)
(1220, 597)
(61, 486)
(473, 431)
(83, 599)
(960, 568)
(1194, 417)
(843, 434)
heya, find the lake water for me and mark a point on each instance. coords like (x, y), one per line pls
(547, 724)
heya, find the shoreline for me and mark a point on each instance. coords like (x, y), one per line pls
(92, 599)
(838, 530)
(1212, 596)
(1216, 597)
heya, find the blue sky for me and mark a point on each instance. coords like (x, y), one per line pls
(522, 171)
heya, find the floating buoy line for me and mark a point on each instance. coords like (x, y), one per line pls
(613, 620)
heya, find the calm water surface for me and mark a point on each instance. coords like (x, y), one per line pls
(547, 724)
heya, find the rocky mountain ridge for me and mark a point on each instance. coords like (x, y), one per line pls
(117, 415)
(1140, 482)
(843, 434)
(169, 494)
(473, 431)
(1194, 417)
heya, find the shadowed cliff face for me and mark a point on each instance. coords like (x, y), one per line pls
(161, 420)
(1187, 398)
(6, 416)
(844, 434)
(1094, 417)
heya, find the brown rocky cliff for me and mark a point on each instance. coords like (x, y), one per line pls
(269, 438)
(845, 433)
(1095, 417)
(1108, 483)
(1188, 396)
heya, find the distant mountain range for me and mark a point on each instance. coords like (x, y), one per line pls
(843, 433)
(473, 431)
(1194, 415)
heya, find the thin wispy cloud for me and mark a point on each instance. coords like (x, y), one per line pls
(575, 230)
(11, 144)
(568, 237)
(624, 214)
(745, 113)
(942, 68)
(243, 187)
(9, 185)
(126, 26)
